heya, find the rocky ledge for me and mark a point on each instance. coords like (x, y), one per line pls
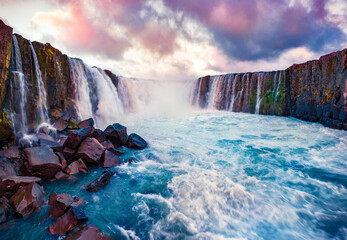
(59, 155)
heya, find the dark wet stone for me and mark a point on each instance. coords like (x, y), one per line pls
(41, 162)
(77, 166)
(136, 142)
(110, 160)
(10, 185)
(117, 134)
(90, 151)
(74, 139)
(101, 181)
(99, 135)
(89, 232)
(27, 200)
(86, 123)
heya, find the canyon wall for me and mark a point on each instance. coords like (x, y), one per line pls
(314, 91)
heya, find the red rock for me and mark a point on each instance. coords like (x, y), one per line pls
(90, 151)
(60, 124)
(117, 134)
(12, 152)
(41, 162)
(107, 144)
(99, 135)
(68, 153)
(86, 123)
(63, 176)
(60, 204)
(89, 232)
(10, 185)
(75, 138)
(63, 224)
(27, 200)
(77, 166)
(100, 182)
(110, 160)
(62, 159)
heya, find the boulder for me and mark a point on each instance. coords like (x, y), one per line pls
(77, 166)
(10, 185)
(27, 200)
(12, 152)
(7, 168)
(62, 159)
(86, 123)
(110, 160)
(63, 176)
(90, 151)
(62, 202)
(136, 142)
(88, 232)
(56, 146)
(75, 138)
(41, 162)
(107, 144)
(117, 134)
(66, 222)
(68, 153)
(100, 182)
(99, 135)
(4, 209)
(60, 124)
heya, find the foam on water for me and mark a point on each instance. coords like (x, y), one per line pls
(218, 175)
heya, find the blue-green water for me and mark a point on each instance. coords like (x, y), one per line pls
(217, 175)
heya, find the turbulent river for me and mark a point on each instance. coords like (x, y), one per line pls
(216, 175)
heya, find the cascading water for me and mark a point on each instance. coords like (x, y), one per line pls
(42, 95)
(19, 82)
(257, 105)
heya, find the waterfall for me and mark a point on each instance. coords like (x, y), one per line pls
(258, 102)
(95, 94)
(42, 101)
(233, 97)
(19, 82)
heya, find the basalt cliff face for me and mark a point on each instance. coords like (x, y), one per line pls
(314, 91)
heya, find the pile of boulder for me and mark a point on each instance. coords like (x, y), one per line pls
(59, 155)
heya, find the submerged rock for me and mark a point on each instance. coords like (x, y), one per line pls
(4, 209)
(109, 159)
(136, 142)
(74, 139)
(117, 134)
(27, 200)
(77, 166)
(100, 182)
(90, 151)
(41, 162)
(10, 185)
(89, 232)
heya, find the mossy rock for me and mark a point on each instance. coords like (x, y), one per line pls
(6, 129)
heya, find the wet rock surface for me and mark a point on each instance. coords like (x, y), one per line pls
(101, 181)
(136, 142)
(117, 134)
(27, 200)
(90, 151)
(41, 162)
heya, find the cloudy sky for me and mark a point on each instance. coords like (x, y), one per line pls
(183, 39)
